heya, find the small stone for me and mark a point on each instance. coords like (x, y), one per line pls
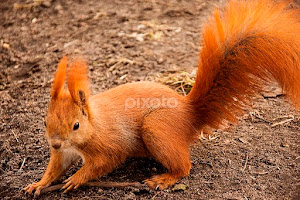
(6, 46)
(100, 190)
(47, 4)
(58, 7)
(34, 20)
(179, 187)
(285, 145)
(140, 26)
(160, 60)
(23, 28)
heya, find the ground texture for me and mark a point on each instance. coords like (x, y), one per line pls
(126, 41)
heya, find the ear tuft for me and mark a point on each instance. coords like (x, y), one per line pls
(82, 97)
(59, 78)
(78, 82)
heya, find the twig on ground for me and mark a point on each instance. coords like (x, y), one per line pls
(22, 164)
(182, 88)
(260, 172)
(155, 195)
(210, 137)
(261, 118)
(246, 162)
(15, 135)
(96, 184)
(35, 3)
(283, 121)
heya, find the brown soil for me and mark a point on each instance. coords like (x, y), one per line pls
(127, 41)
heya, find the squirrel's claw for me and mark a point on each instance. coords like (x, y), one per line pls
(68, 187)
(29, 189)
(34, 186)
(38, 190)
(70, 184)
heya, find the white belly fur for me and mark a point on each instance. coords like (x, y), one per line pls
(70, 155)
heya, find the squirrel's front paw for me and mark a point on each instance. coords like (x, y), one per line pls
(35, 186)
(71, 183)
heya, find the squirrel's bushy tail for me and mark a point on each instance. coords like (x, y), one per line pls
(244, 45)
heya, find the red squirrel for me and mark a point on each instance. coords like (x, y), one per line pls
(244, 45)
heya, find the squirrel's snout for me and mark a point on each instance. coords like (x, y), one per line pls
(56, 144)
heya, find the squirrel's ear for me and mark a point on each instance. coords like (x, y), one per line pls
(78, 83)
(59, 79)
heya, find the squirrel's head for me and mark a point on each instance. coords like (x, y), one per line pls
(68, 115)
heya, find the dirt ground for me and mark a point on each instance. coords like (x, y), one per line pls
(126, 41)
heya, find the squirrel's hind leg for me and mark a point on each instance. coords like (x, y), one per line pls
(168, 147)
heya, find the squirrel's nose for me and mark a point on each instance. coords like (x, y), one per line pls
(56, 145)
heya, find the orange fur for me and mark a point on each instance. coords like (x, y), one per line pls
(242, 47)
(78, 79)
(78, 83)
(59, 79)
(249, 43)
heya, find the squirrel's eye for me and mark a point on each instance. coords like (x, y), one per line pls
(76, 126)
(45, 123)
